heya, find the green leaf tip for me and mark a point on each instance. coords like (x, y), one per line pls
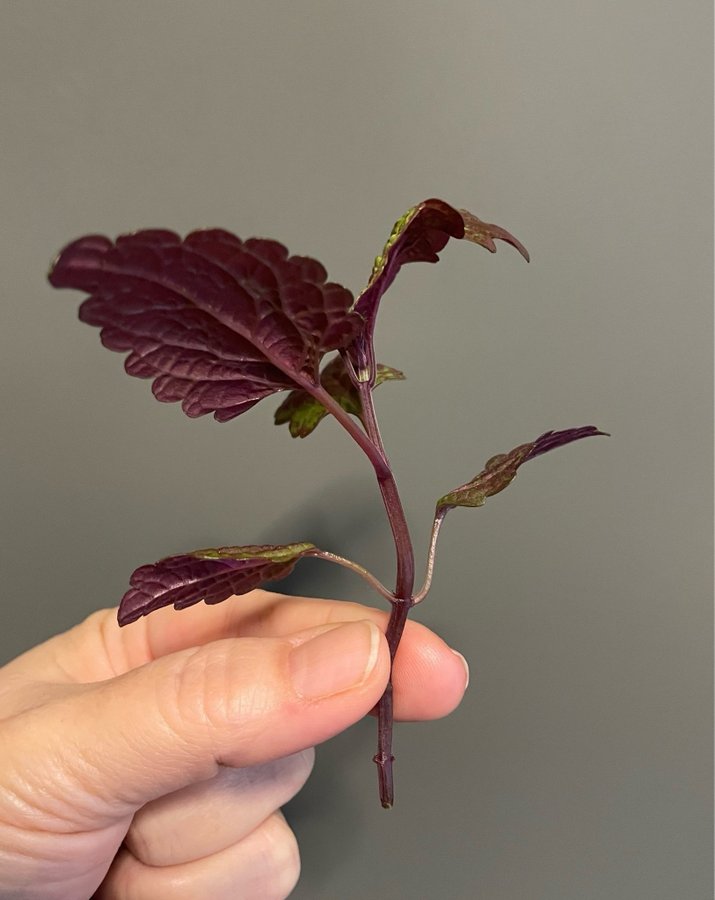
(485, 233)
(271, 552)
(301, 412)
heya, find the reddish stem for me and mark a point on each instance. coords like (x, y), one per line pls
(403, 594)
(384, 758)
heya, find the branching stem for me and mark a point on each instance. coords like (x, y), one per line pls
(392, 501)
(402, 601)
(373, 451)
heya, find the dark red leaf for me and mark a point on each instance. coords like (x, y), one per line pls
(210, 575)
(217, 322)
(418, 236)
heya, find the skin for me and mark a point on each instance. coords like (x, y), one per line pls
(152, 760)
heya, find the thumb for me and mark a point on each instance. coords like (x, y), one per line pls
(170, 723)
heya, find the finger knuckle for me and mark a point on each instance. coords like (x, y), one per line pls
(216, 686)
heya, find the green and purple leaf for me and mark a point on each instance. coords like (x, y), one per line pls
(418, 236)
(210, 575)
(218, 323)
(303, 413)
(500, 470)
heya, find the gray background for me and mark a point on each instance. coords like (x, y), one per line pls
(579, 764)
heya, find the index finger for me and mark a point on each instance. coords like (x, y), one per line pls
(429, 677)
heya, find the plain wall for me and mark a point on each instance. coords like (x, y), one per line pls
(578, 765)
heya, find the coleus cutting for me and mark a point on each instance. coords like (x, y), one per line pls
(219, 324)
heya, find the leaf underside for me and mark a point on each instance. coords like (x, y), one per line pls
(218, 323)
(500, 470)
(211, 575)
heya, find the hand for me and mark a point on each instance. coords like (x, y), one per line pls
(151, 761)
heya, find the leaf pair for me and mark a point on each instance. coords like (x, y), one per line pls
(214, 575)
(219, 323)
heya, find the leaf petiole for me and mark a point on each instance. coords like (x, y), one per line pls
(364, 573)
(436, 525)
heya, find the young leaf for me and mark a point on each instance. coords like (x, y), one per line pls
(217, 322)
(418, 236)
(303, 412)
(500, 470)
(210, 575)
(484, 234)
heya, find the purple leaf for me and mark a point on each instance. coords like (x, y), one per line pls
(210, 575)
(500, 470)
(303, 413)
(217, 322)
(418, 236)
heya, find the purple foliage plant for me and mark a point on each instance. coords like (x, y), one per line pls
(219, 324)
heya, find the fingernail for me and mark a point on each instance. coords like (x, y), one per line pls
(466, 667)
(335, 660)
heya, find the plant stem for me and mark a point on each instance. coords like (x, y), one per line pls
(370, 441)
(402, 597)
(373, 452)
(385, 718)
(393, 503)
